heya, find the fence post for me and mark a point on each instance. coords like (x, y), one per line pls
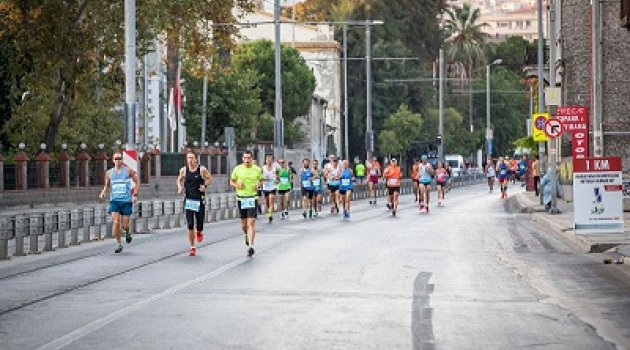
(64, 169)
(97, 223)
(157, 162)
(101, 166)
(63, 226)
(84, 168)
(43, 169)
(20, 159)
(6, 231)
(49, 228)
(88, 215)
(1, 174)
(76, 221)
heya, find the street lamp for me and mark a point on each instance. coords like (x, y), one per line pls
(488, 128)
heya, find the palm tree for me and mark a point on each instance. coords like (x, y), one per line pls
(466, 39)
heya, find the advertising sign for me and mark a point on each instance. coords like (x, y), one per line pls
(597, 194)
(538, 127)
(575, 120)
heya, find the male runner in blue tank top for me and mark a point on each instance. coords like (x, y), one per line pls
(121, 197)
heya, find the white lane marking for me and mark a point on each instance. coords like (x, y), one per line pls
(104, 321)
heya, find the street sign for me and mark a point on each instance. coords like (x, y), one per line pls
(553, 96)
(553, 128)
(575, 120)
(598, 194)
(538, 127)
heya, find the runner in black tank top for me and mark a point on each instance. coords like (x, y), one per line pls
(196, 178)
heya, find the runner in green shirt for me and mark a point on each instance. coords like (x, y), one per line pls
(359, 170)
(246, 179)
(285, 179)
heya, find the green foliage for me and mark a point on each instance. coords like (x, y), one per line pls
(298, 82)
(513, 53)
(400, 130)
(466, 38)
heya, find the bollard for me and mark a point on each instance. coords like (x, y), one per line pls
(21, 231)
(168, 210)
(157, 212)
(50, 226)
(88, 219)
(144, 211)
(97, 224)
(231, 206)
(6, 233)
(208, 212)
(35, 227)
(223, 210)
(214, 208)
(178, 209)
(133, 224)
(105, 227)
(63, 219)
(76, 222)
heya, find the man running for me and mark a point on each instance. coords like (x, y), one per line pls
(414, 177)
(360, 171)
(306, 177)
(441, 177)
(285, 178)
(392, 178)
(196, 179)
(374, 171)
(522, 170)
(345, 188)
(246, 178)
(491, 173)
(317, 187)
(504, 172)
(270, 180)
(332, 174)
(425, 175)
(121, 197)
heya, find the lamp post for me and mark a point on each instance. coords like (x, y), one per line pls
(488, 128)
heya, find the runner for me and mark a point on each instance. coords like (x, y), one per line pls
(449, 175)
(196, 180)
(392, 178)
(285, 179)
(414, 176)
(374, 170)
(425, 174)
(490, 174)
(270, 180)
(317, 188)
(306, 176)
(246, 178)
(513, 169)
(332, 174)
(345, 188)
(522, 170)
(121, 197)
(503, 171)
(360, 171)
(441, 178)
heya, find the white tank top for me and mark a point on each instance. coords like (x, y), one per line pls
(269, 178)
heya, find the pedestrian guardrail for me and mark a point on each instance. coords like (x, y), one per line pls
(71, 227)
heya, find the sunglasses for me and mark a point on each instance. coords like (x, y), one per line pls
(118, 158)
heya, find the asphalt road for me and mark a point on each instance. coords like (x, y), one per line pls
(469, 275)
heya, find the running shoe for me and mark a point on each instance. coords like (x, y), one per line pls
(282, 216)
(286, 214)
(128, 237)
(346, 214)
(119, 249)
(394, 212)
(332, 210)
(310, 213)
(426, 208)
(199, 236)
(193, 251)
(370, 202)
(250, 252)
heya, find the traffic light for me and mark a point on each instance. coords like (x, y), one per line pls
(439, 139)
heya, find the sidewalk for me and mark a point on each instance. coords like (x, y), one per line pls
(562, 225)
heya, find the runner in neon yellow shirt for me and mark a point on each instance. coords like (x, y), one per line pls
(246, 179)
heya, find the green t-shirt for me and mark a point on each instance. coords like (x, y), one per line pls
(360, 169)
(285, 179)
(250, 177)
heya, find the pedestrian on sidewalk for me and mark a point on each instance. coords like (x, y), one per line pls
(196, 179)
(545, 183)
(121, 197)
(536, 173)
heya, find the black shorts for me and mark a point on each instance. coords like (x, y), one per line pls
(333, 189)
(249, 213)
(416, 181)
(195, 218)
(282, 192)
(267, 193)
(440, 183)
(343, 192)
(308, 193)
(392, 190)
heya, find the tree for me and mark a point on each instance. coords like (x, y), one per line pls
(298, 82)
(513, 53)
(466, 40)
(401, 129)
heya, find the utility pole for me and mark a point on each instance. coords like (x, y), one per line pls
(598, 137)
(204, 107)
(368, 72)
(488, 128)
(441, 108)
(278, 135)
(345, 90)
(552, 83)
(541, 87)
(130, 74)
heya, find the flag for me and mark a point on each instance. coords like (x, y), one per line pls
(172, 117)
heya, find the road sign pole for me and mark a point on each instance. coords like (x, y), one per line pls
(552, 105)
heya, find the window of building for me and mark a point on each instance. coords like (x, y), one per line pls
(503, 24)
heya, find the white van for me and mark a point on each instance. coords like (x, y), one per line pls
(456, 162)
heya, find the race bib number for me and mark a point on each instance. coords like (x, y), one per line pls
(392, 182)
(333, 182)
(306, 183)
(269, 185)
(247, 203)
(316, 182)
(345, 182)
(373, 172)
(192, 204)
(284, 180)
(119, 188)
(503, 171)
(442, 177)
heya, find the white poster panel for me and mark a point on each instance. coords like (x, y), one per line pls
(598, 196)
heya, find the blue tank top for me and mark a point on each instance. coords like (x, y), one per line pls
(346, 180)
(503, 170)
(317, 182)
(121, 185)
(305, 176)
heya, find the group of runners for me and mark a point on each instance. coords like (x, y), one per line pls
(256, 186)
(506, 170)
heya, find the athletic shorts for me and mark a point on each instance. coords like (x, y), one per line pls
(373, 179)
(425, 182)
(333, 189)
(123, 208)
(282, 192)
(249, 213)
(392, 190)
(360, 178)
(308, 193)
(343, 192)
(267, 193)
(503, 179)
(416, 181)
(441, 183)
(195, 218)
